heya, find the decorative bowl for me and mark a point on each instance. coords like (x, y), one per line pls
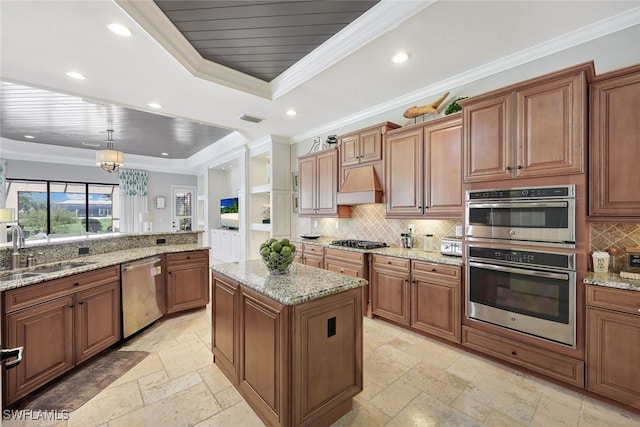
(278, 264)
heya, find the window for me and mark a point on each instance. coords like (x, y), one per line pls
(64, 208)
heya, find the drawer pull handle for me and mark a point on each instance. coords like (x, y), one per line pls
(433, 269)
(513, 353)
(388, 262)
(76, 284)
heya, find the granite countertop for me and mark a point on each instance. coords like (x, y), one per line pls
(89, 263)
(301, 284)
(417, 254)
(611, 280)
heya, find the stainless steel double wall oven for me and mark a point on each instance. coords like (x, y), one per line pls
(509, 282)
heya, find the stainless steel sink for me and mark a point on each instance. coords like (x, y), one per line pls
(61, 267)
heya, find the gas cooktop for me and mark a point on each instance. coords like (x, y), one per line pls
(361, 244)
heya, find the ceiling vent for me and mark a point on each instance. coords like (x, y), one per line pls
(250, 119)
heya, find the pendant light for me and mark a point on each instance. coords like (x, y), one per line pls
(110, 160)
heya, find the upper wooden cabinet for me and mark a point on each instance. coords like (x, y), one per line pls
(615, 145)
(318, 184)
(365, 145)
(533, 129)
(423, 169)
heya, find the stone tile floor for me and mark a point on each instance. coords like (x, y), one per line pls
(409, 380)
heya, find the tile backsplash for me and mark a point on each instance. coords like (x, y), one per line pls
(368, 222)
(604, 236)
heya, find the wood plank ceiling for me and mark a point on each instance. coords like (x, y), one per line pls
(260, 38)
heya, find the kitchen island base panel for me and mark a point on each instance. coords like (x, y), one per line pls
(297, 364)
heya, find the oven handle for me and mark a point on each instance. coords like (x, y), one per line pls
(536, 273)
(519, 205)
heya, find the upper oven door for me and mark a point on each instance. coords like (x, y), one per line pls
(549, 221)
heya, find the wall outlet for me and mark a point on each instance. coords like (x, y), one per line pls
(83, 251)
(161, 241)
(458, 231)
(412, 228)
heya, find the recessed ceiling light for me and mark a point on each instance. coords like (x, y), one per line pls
(75, 75)
(29, 136)
(165, 154)
(400, 57)
(154, 105)
(291, 112)
(119, 29)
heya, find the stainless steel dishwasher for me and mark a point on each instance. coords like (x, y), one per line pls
(142, 294)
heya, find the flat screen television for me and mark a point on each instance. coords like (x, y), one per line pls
(229, 213)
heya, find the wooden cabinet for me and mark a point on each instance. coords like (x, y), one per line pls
(533, 129)
(60, 323)
(365, 146)
(436, 299)
(294, 365)
(552, 364)
(613, 343)
(225, 326)
(311, 255)
(352, 264)
(318, 185)
(424, 169)
(615, 145)
(389, 288)
(187, 280)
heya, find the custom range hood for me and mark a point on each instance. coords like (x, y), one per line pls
(361, 186)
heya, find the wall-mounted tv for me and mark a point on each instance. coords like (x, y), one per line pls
(229, 213)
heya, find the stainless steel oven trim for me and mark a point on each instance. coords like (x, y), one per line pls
(535, 273)
(571, 257)
(517, 204)
(528, 325)
(566, 245)
(571, 191)
(566, 239)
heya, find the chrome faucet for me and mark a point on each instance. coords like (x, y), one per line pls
(18, 243)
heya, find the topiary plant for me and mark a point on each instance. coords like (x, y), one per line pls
(454, 107)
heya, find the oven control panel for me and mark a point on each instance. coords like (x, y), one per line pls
(542, 259)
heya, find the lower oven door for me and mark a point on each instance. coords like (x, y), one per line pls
(539, 302)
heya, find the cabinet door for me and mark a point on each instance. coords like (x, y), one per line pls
(187, 287)
(313, 260)
(488, 146)
(615, 147)
(349, 150)
(404, 173)
(370, 146)
(96, 320)
(46, 333)
(551, 127)
(327, 182)
(390, 294)
(264, 357)
(307, 184)
(443, 169)
(225, 328)
(435, 307)
(613, 351)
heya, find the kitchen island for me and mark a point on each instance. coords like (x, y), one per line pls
(290, 344)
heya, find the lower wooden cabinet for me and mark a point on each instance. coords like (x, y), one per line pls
(352, 264)
(294, 365)
(551, 364)
(60, 324)
(435, 299)
(613, 344)
(311, 255)
(187, 280)
(389, 287)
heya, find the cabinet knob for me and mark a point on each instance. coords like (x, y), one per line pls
(81, 302)
(388, 262)
(513, 353)
(508, 168)
(520, 167)
(433, 269)
(76, 284)
(419, 207)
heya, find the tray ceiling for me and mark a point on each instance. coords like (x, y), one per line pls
(260, 38)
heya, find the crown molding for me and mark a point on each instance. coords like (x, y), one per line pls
(383, 17)
(583, 35)
(151, 18)
(380, 19)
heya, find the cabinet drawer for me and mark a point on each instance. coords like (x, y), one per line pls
(16, 299)
(546, 362)
(442, 271)
(391, 262)
(312, 249)
(614, 299)
(347, 256)
(187, 257)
